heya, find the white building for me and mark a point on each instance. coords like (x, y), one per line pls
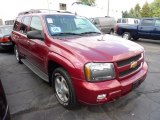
(100, 10)
(60, 4)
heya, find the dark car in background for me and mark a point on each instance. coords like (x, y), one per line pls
(148, 28)
(5, 37)
(104, 24)
(4, 110)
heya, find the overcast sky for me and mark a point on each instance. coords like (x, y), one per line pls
(10, 8)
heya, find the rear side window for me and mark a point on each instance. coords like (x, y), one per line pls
(16, 24)
(96, 21)
(24, 25)
(119, 21)
(124, 20)
(147, 22)
(36, 24)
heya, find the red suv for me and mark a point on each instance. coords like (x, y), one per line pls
(80, 63)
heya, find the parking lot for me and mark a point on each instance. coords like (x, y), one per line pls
(30, 98)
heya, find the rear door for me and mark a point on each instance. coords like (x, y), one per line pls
(23, 43)
(38, 49)
(146, 27)
(156, 31)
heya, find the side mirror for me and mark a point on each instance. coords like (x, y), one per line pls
(36, 34)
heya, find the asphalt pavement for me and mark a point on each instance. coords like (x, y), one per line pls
(30, 98)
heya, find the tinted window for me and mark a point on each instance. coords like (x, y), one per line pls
(147, 22)
(36, 24)
(124, 20)
(16, 24)
(24, 25)
(157, 23)
(96, 21)
(119, 21)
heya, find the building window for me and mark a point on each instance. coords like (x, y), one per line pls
(62, 6)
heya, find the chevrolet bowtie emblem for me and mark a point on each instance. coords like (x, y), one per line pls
(133, 64)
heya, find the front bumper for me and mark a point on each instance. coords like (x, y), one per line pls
(87, 92)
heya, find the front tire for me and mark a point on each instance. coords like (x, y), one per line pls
(126, 35)
(16, 51)
(64, 90)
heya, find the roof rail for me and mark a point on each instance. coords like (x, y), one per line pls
(42, 11)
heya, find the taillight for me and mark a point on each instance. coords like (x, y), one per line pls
(116, 28)
(5, 39)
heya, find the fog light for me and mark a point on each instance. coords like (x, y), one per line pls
(101, 97)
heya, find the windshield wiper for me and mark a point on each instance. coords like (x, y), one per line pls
(65, 33)
(90, 33)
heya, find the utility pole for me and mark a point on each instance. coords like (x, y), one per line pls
(108, 9)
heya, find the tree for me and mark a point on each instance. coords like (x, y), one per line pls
(125, 14)
(88, 2)
(155, 8)
(146, 10)
(131, 13)
(137, 11)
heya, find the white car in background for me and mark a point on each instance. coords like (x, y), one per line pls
(128, 21)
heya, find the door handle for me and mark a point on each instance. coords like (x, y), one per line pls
(155, 28)
(141, 27)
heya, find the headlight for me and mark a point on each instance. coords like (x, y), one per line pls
(99, 71)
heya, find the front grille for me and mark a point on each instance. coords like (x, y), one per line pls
(127, 72)
(128, 61)
(124, 66)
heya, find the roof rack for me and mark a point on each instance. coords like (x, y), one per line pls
(42, 11)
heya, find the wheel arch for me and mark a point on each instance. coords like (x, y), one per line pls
(54, 61)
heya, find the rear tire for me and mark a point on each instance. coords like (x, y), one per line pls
(64, 90)
(16, 51)
(111, 32)
(126, 35)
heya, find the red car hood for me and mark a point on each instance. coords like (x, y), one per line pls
(103, 48)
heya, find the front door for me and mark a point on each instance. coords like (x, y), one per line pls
(156, 31)
(144, 30)
(38, 49)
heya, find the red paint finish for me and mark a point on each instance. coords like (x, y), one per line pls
(73, 53)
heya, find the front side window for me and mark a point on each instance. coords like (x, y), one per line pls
(69, 24)
(36, 24)
(24, 25)
(16, 24)
(147, 22)
(157, 23)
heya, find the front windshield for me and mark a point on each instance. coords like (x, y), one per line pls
(69, 25)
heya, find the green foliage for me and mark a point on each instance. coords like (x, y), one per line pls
(88, 2)
(125, 14)
(146, 10)
(137, 11)
(155, 8)
(133, 13)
